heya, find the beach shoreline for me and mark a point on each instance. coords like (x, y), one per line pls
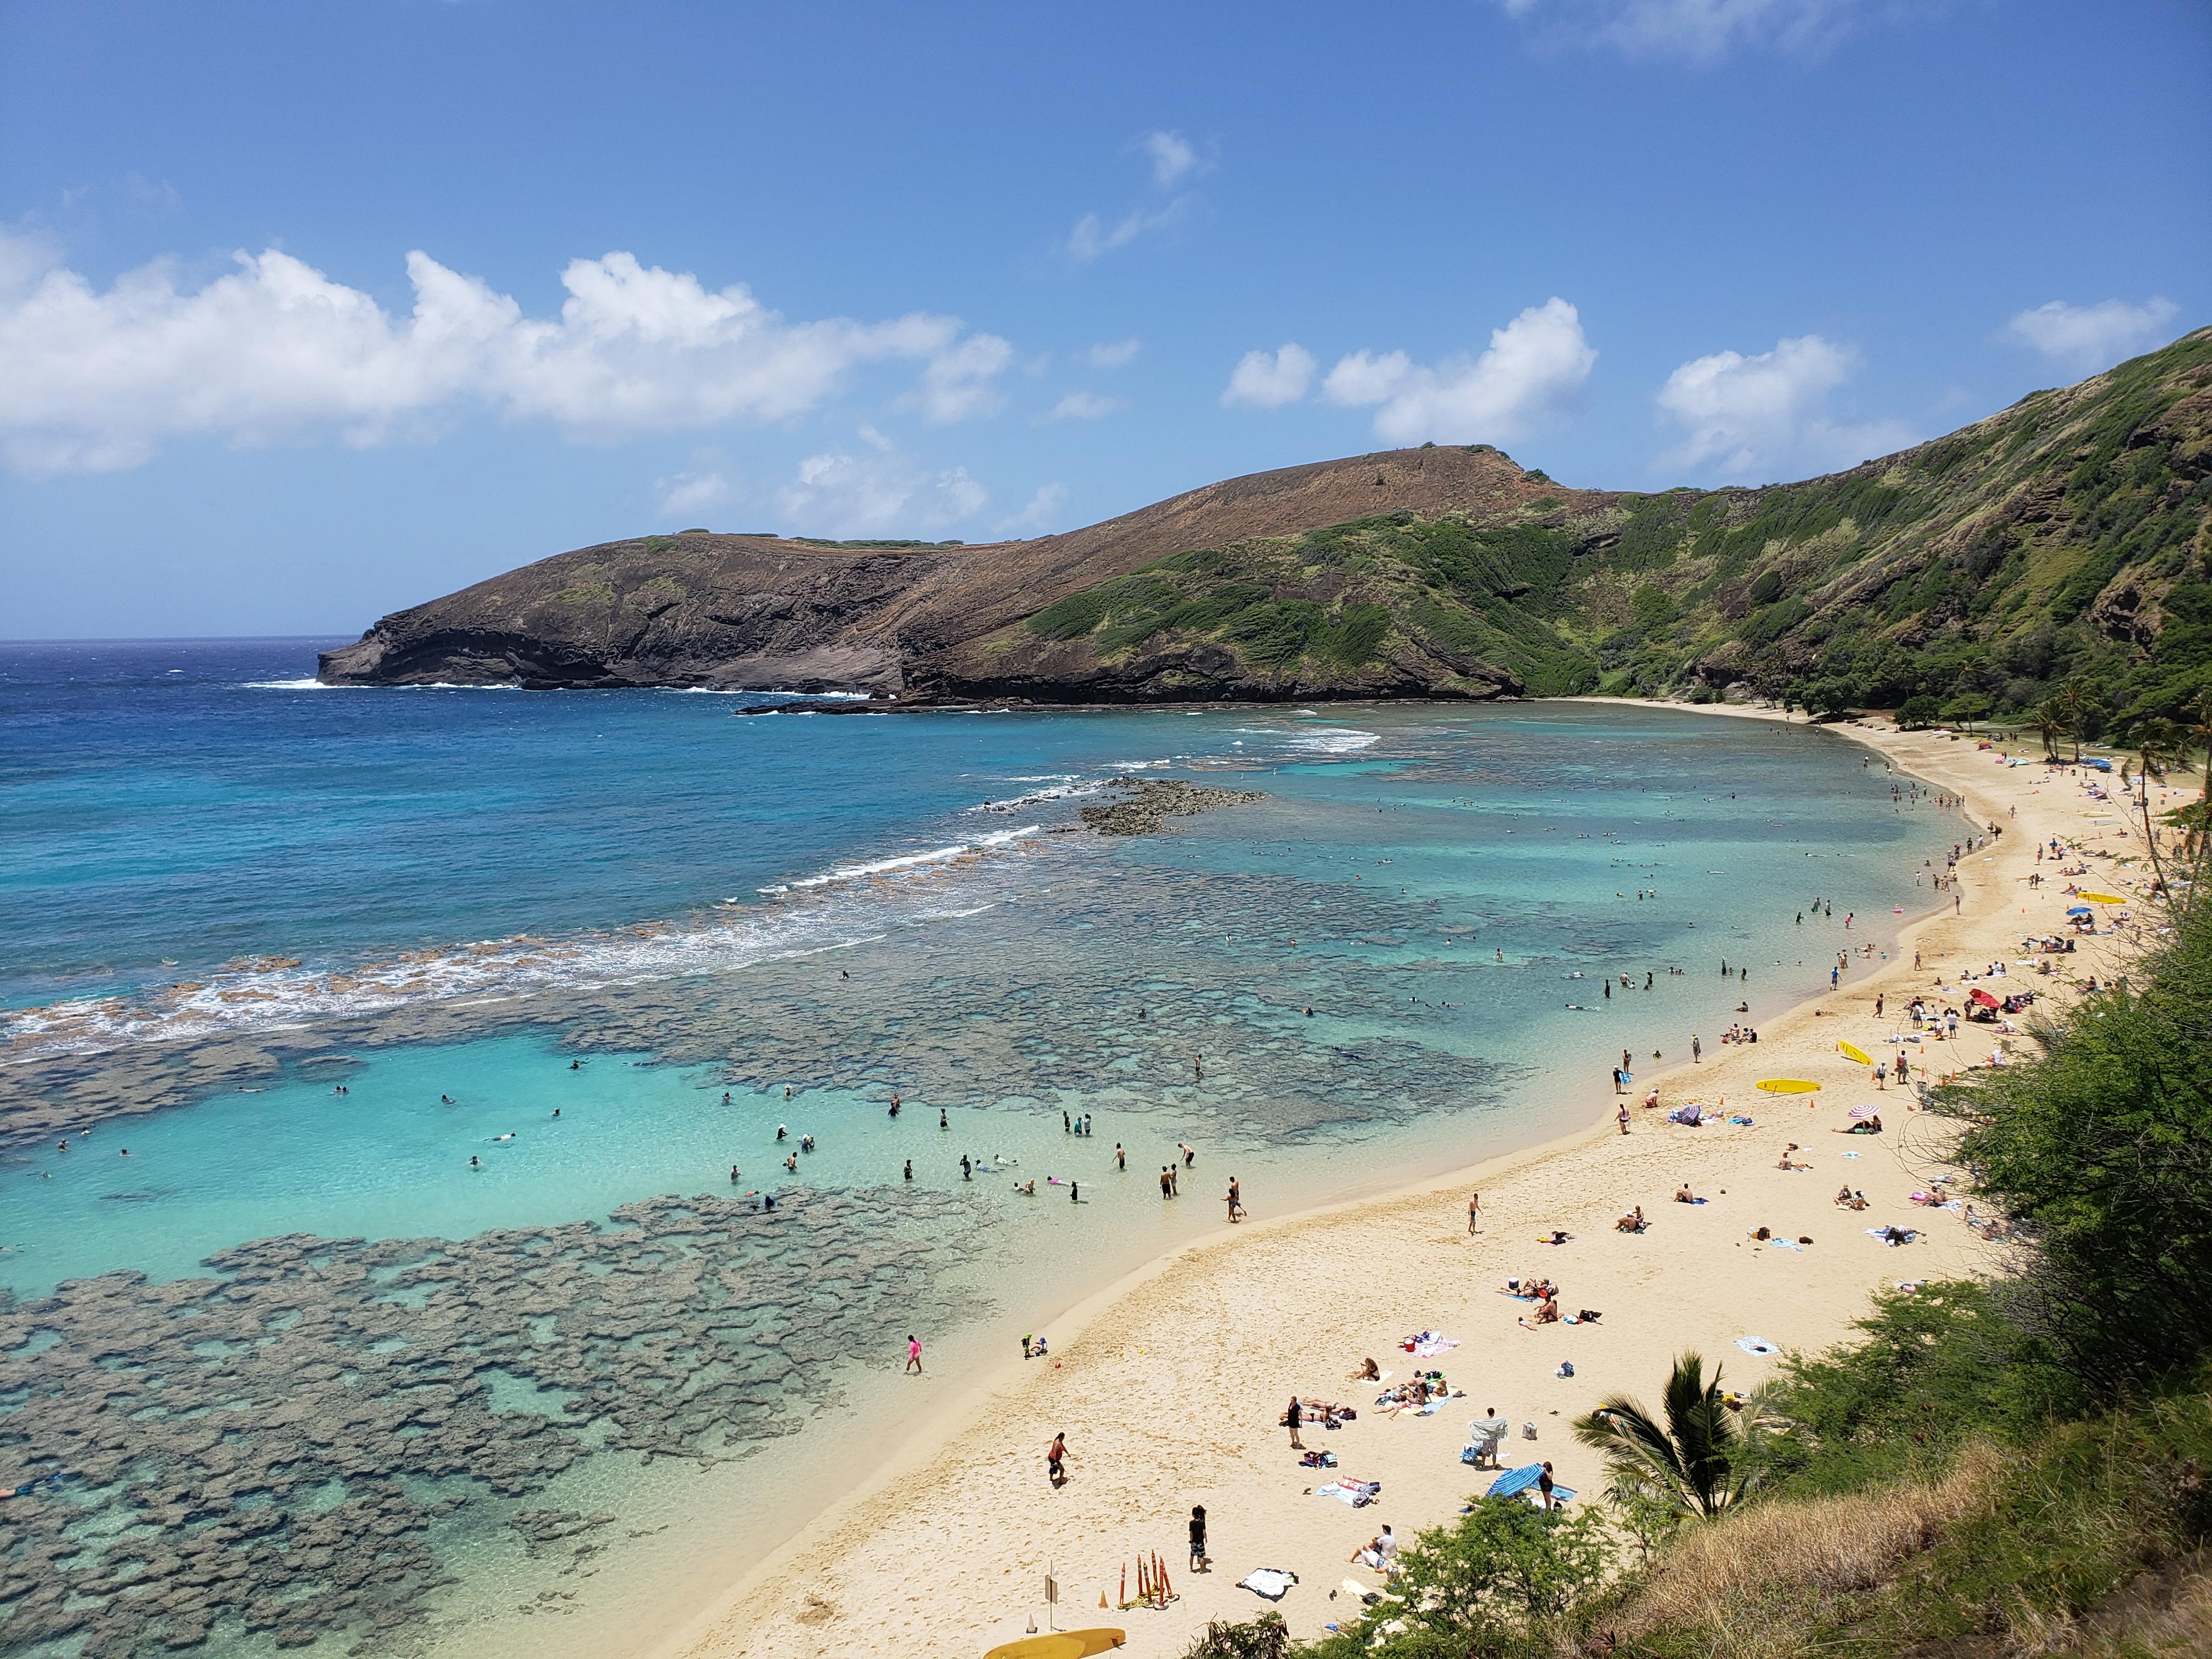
(945, 1545)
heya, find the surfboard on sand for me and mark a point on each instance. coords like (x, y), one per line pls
(1062, 1644)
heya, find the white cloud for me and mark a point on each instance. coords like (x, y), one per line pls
(883, 492)
(1703, 31)
(960, 381)
(687, 493)
(1743, 417)
(1112, 354)
(274, 351)
(1041, 513)
(1268, 380)
(1084, 406)
(1173, 158)
(1532, 368)
(1093, 236)
(2086, 339)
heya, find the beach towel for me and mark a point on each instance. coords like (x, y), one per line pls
(1344, 1490)
(1785, 1244)
(1882, 1233)
(1521, 1483)
(1273, 1583)
(1757, 1344)
(1428, 1343)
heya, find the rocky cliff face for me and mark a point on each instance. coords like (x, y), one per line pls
(2065, 539)
(765, 613)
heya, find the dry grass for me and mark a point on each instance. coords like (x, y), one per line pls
(2166, 1613)
(1756, 1584)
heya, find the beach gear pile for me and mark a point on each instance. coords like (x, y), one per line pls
(1346, 1490)
(1427, 1343)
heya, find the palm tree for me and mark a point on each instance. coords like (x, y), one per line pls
(2048, 719)
(1694, 1462)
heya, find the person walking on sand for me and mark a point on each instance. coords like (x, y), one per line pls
(913, 1354)
(1199, 1559)
(1055, 1460)
(1292, 1417)
(1697, 1050)
(1235, 1200)
(1622, 1115)
(1473, 1211)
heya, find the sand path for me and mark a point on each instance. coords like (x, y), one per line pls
(1170, 1384)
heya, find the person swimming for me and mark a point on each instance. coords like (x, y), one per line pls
(474, 1163)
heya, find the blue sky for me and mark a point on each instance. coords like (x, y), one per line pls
(309, 311)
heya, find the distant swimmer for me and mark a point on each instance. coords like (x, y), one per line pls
(556, 1111)
(895, 1103)
(733, 1174)
(445, 1100)
(125, 1152)
(909, 1169)
(726, 1097)
(967, 1169)
(576, 1064)
(791, 1163)
(782, 1130)
(473, 1163)
(1072, 1190)
(941, 1121)
(509, 1135)
(1120, 1158)
(1189, 1158)
(65, 1145)
(806, 1143)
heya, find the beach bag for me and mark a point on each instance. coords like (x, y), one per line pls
(1566, 1368)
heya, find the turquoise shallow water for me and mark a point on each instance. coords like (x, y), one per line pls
(227, 896)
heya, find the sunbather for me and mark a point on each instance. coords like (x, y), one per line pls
(1683, 1194)
(1633, 1222)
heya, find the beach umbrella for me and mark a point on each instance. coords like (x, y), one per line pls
(2079, 910)
(1789, 1085)
(2104, 898)
(1982, 997)
(1852, 1051)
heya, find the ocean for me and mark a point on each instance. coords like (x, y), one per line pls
(451, 1033)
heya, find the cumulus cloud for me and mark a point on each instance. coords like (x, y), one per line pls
(1173, 158)
(1041, 513)
(1268, 380)
(1084, 406)
(878, 491)
(2086, 338)
(1111, 353)
(276, 351)
(1703, 31)
(1743, 416)
(1532, 368)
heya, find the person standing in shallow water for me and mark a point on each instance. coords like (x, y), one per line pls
(913, 1354)
(1235, 1200)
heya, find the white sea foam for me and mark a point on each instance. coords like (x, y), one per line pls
(832, 911)
(1332, 740)
(318, 685)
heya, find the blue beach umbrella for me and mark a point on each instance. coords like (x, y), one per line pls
(1521, 1483)
(2079, 910)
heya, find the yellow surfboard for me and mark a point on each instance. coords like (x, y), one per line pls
(1789, 1085)
(1852, 1051)
(1062, 1644)
(2102, 898)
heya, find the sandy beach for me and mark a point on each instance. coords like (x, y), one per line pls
(1170, 1384)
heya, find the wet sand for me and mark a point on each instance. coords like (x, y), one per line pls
(1169, 1383)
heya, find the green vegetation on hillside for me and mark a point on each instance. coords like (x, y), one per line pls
(2064, 541)
(1341, 599)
